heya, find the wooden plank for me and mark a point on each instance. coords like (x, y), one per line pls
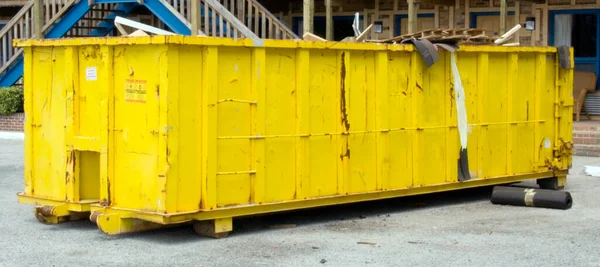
(206, 29)
(517, 19)
(436, 17)
(544, 35)
(502, 16)
(328, 21)
(309, 13)
(536, 32)
(38, 18)
(312, 37)
(263, 23)
(4, 49)
(451, 17)
(196, 13)
(256, 19)
(412, 16)
(375, 18)
(364, 34)
(467, 14)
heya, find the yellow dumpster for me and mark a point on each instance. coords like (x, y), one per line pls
(151, 131)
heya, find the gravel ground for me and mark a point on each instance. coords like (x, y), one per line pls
(461, 228)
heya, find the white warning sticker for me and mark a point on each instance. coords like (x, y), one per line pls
(91, 74)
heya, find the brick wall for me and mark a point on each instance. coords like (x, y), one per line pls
(12, 123)
(586, 138)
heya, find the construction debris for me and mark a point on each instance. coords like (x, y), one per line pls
(312, 37)
(464, 36)
(505, 37)
(363, 35)
(138, 33)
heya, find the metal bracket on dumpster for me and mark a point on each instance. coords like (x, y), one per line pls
(426, 49)
(564, 57)
(461, 112)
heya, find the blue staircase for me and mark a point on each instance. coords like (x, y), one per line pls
(221, 18)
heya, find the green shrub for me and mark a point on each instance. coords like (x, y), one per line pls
(11, 100)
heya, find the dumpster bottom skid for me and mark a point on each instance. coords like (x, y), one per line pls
(54, 212)
(218, 223)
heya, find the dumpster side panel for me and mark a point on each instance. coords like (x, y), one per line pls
(524, 111)
(400, 116)
(467, 64)
(359, 151)
(431, 109)
(235, 122)
(494, 135)
(137, 131)
(280, 119)
(46, 118)
(189, 148)
(323, 78)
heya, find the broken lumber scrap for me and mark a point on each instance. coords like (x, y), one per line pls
(312, 37)
(363, 35)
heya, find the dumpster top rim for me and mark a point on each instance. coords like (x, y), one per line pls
(214, 41)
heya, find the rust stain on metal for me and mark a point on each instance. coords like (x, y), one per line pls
(46, 210)
(345, 121)
(347, 153)
(106, 202)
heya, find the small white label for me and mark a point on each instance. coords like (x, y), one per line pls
(547, 143)
(91, 74)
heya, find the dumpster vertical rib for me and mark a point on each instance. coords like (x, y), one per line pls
(452, 151)
(382, 120)
(415, 134)
(482, 86)
(71, 74)
(175, 173)
(209, 127)
(540, 79)
(302, 121)
(107, 90)
(29, 120)
(111, 144)
(557, 102)
(512, 82)
(344, 125)
(258, 118)
(163, 110)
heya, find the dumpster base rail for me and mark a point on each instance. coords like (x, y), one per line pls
(218, 223)
(48, 211)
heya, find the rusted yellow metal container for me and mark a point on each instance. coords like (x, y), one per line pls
(150, 131)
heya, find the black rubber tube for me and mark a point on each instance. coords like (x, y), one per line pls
(518, 196)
